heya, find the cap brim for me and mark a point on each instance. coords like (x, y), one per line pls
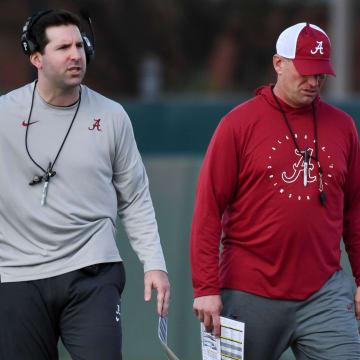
(313, 67)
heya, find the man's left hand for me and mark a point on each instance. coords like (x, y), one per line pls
(157, 279)
(357, 303)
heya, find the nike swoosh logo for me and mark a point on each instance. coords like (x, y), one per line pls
(30, 123)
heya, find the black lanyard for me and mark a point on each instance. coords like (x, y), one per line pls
(305, 154)
(49, 172)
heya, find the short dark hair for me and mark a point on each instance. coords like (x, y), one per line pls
(54, 17)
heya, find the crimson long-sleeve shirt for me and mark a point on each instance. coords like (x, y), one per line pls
(277, 239)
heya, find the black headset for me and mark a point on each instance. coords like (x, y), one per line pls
(29, 45)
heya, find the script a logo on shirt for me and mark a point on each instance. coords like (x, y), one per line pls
(96, 125)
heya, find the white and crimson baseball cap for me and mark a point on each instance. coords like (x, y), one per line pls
(309, 48)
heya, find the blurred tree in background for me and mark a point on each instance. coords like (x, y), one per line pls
(150, 48)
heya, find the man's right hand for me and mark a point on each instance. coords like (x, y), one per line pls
(207, 309)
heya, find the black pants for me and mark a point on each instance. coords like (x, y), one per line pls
(82, 307)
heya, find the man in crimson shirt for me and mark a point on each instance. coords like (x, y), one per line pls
(280, 186)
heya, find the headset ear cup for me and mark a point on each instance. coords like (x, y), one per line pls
(89, 49)
(24, 37)
(27, 45)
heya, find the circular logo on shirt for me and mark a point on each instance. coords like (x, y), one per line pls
(286, 168)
